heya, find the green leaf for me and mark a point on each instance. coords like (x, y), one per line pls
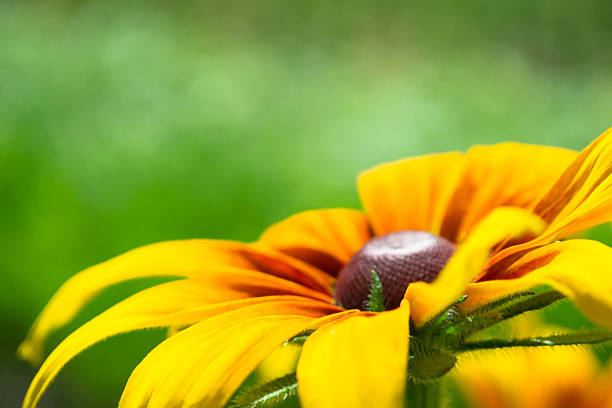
(267, 395)
(375, 299)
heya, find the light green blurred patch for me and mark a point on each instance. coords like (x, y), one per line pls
(125, 123)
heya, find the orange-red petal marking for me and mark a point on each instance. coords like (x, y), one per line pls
(190, 258)
(326, 238)
(448, 193)
(181, 302)
(505, 174)
(580, 269)
(581, 198)
(410, 194)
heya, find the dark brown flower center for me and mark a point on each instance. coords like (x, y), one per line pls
(398, 258)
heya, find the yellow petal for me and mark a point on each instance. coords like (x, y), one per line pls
(410, 194)
(583, 195)
(273, 262)
(581, 198)
(448, 194)
(315, 236)
(360, 362)
(427, 299)
(280, 362)
(505, 174)
(531, 378)
(580, 269)
(204, 364)
(173, 258)
(181, 302)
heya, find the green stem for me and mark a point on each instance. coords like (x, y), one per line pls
(423, 395)
(556, 340)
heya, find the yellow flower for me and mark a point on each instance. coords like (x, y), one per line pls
(535, 378)
(503, 206)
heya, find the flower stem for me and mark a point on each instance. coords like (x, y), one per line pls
(556, 340)
(423, 395)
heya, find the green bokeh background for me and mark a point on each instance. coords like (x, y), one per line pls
(124, 123)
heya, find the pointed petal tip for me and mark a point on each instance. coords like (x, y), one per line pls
(30, 351)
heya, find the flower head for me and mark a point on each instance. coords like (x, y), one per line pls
(485, 224)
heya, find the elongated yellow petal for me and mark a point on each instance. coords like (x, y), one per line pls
(581, 198)
(583, 195)
(410, 194)
(580, 269)
(505, 174)
(427, 299)
(204, 364)
(280, 362)
(315, 236)
(181, 302)
(268, 260)
(532, 378)
(211, 259)
(360, 362)
(448, 194)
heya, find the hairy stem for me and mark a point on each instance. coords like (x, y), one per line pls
(425, 395)
(555, 340)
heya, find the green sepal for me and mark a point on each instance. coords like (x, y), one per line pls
(496, 304)
(300, 338)
(375, 302)
(453, 322)
(266, 395)
(441, 320)
(531, 303)
(434, 345)
(501, 310)
(428, 361)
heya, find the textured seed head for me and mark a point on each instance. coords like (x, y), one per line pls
(398, 258)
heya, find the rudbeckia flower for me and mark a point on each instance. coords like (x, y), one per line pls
(359, 288)
(535, 378)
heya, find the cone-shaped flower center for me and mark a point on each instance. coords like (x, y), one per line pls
(398, 258)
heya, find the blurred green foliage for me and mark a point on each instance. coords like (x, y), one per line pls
(125, 123)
